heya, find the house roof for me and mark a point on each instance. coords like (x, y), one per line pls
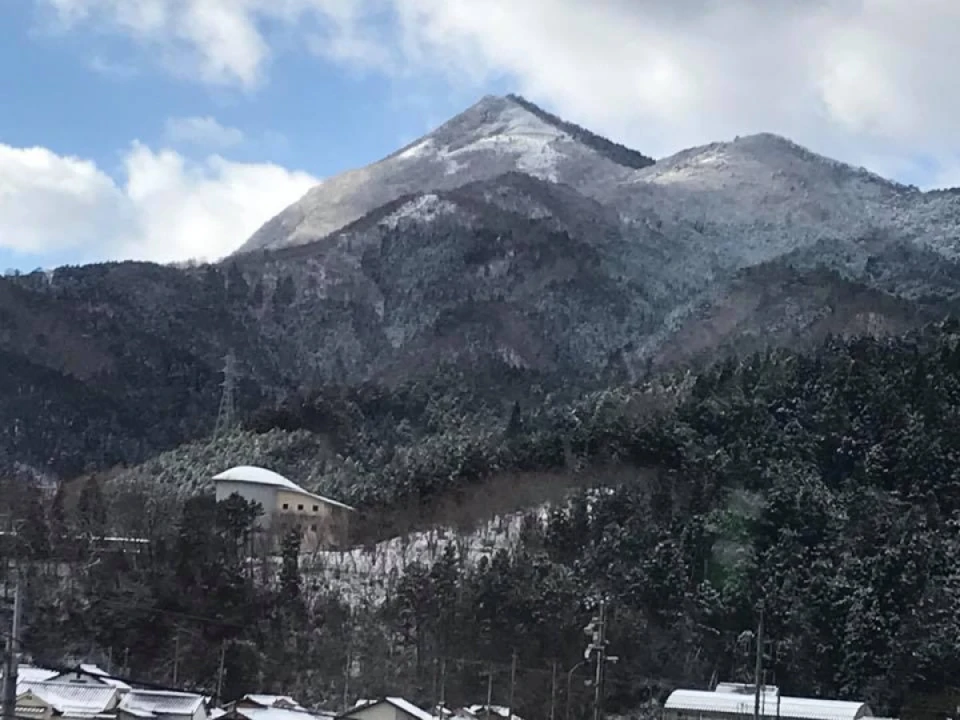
(273, 713)
(262, 476)
(398, 702)
(793, 708)
(103, 676)
(271, 700)
(145, 703)
(484, 710)
(70, 698)
(32, 673)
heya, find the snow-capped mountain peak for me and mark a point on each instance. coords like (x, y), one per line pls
(495, 136)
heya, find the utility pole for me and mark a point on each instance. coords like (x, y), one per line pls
(600, 646)
(443, 682)
(13, 650)
(513, 683)
(176, 657)
(758, 669)
(597, 629)
(223, 658)
(553, 691)
(489, 693)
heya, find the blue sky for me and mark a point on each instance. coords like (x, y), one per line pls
(170, 129)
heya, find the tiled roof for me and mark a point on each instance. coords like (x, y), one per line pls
(72, 699)
(160, 702)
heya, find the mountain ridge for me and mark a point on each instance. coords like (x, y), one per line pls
(535, 252)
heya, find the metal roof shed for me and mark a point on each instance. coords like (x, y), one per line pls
(722, 705)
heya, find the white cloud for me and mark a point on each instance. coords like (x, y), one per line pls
(202, 131)
(852, 78)
(166, 207)
(224, 42)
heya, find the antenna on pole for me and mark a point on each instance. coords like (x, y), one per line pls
(226, 415)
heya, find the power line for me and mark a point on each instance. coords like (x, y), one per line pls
(226, 414)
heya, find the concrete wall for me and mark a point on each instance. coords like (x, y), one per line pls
(380, 711)
(323, 524)
(266, 495)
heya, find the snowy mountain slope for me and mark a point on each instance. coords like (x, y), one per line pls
(495, 136)
(758, 197)
(778, 305)
(526, 270)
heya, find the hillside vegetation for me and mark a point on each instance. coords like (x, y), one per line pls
(822, 487)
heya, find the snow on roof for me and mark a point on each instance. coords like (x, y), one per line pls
(793, 708)
(398, 702)
(32, 673)
(273, 713)
(70, 698)
(272, 700)
(104, 676)
(498, 710)
(160, 702)
(262, 476)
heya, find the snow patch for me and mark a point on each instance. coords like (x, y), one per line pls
(423, 209)
(370, 574)
(420, 149)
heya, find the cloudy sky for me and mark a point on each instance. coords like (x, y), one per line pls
(171, 129)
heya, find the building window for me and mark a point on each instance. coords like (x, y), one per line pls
(313, 528)
(299, 507)
(316, 507)
(286, 506)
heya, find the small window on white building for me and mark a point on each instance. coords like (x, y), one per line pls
(299, 507)
(316, 507)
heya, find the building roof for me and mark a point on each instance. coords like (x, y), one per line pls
(273, 713)
(146, 703)
(103, 676)
(794, 708)
(32, 673)
(271, 700)
(398, 702)
(262, 476)
(70, 698)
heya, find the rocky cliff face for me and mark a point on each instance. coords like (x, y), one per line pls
(506, 236)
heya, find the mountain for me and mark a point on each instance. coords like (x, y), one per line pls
(495, 136)
(507, 240)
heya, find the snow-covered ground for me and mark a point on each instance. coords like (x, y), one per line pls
(368, 574)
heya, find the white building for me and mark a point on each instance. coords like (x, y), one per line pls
(47, 700)
(324, 522)
(161, 705)
(728, 702)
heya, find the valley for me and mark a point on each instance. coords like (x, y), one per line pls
(546, 370)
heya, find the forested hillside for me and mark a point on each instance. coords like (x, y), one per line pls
(822, 487)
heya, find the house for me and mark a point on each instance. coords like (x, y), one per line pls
(161, 705)
(47, 700)
(324, 522)
(736, 702)
(388, 708)
(87, 674)
(492, 712)
(264, 707)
